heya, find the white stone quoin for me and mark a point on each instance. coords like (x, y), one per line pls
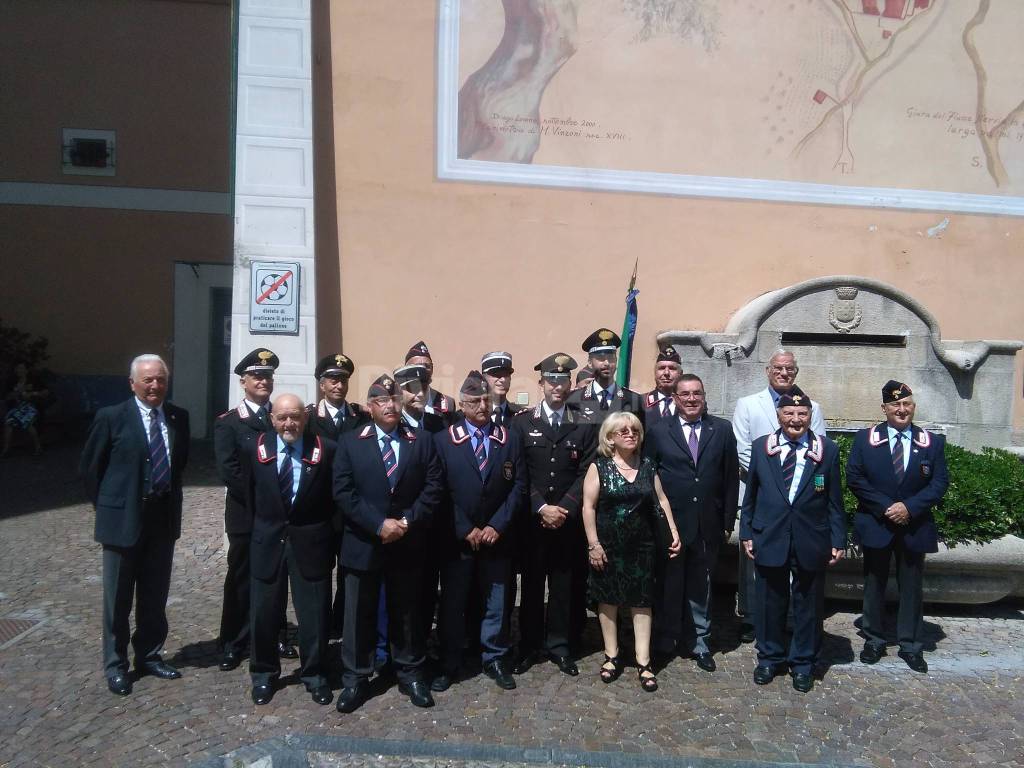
(274, 178)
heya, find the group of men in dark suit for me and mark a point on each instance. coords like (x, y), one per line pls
(415, 491)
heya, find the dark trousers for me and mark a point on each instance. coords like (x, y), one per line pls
(234, 614)
(464, 581)
(312, 599)
(431, 577)
(683, 603)
(139, 574)
(550, 557)
(909, 577)
(746, 587)
(403, 589)
(772, 603)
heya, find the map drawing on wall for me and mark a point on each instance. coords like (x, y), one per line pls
(895, 103)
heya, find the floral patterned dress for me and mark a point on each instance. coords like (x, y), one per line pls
(625, 528)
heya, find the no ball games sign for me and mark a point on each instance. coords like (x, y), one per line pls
(274, 297)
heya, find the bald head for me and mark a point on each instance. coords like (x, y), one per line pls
(288, 416)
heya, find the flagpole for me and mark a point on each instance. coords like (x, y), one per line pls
(622, 370)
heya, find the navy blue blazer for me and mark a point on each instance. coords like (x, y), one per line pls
(813, 525)
(309, 521)
(474, 500)
(871, 478)
(703, 497)
(116, 468)
(365, 499)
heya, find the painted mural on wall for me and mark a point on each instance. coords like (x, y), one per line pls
(924, 95)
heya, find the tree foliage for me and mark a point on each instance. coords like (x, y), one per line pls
(985, 500)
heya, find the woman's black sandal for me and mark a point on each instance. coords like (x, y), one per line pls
(649, 684)
(611, 675)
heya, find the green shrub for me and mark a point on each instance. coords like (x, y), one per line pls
(985, 500)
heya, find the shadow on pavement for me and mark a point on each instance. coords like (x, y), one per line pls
(31, 484)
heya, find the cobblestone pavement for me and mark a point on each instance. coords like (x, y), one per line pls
(55, 709)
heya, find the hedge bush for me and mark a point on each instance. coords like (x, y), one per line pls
(985, 500)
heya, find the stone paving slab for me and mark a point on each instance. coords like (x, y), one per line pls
(55, 709)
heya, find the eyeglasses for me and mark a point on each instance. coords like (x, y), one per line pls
(627, 432)
(380, 402)
(690, 395)
(784, 369)
(475, 402)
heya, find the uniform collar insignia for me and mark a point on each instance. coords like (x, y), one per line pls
(458, 434)
(815, 448)
(321, 409)
(263, 454)
(367, 431)
(317, 452)
(499, 435)
(406, 432)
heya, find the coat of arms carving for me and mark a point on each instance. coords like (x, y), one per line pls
(845, 313)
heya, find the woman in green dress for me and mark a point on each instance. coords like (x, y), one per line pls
(621, 494)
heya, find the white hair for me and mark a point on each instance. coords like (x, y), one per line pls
(148, 358)
(782, 352)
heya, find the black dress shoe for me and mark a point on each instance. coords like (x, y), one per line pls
(161, 670)
(565, 665)
(230, 660)
(120, 684)
(914, 660)
(262, 694)
(497, 671)
(286, 650)
(871, 654)
(442, 682)
(764, 674)
(802, 681)
(523, 664)
(351, 699)
(418, 693)
(746, 633)
(705, 661)
(322, 695)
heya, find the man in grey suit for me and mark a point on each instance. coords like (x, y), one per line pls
(132, 466)
(755, 417)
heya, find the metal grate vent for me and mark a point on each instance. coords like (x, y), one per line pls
(12, 630)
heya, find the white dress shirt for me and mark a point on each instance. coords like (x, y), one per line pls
(801, 458)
